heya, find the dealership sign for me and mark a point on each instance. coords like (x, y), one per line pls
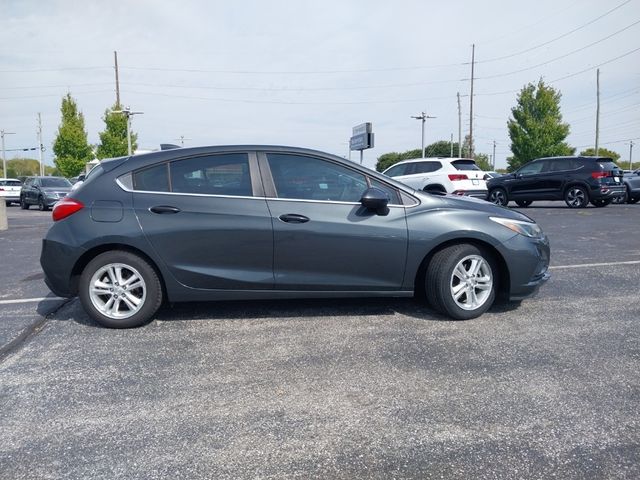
(362, 137)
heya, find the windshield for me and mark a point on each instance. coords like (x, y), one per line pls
(55, 182)
(465, 165)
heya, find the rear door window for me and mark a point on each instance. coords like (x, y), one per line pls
(226, 174)
(425, 167)
(152, 179)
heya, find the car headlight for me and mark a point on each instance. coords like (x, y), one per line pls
(528, 229)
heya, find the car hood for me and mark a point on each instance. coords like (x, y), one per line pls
(469, 203)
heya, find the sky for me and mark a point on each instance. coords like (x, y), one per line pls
(304, 73)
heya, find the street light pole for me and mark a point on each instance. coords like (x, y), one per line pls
(128, 113)
(4, 157)
(423, 117)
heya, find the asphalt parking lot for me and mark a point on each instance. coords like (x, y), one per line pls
(358, 388)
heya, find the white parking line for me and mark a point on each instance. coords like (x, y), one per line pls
(587, 265)
(30, 300)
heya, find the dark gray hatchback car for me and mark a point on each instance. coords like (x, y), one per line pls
(256, 222)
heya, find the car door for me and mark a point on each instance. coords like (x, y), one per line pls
(557, 171)
(33, 191)
(324, 239)
(207, 219)
(528, 181)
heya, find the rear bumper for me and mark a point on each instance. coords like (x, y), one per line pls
(481, 194)
(607, 191)
(10, 198)
(57, 260)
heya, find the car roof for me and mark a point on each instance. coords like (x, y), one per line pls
(431, 159)
(16, 179)
(575, 157)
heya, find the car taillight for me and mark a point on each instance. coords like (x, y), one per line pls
(457, 176)
(66, 207)
(597, 175)
(1, 189)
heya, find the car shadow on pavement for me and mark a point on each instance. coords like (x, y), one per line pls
(282, 309)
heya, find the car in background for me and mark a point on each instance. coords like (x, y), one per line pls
(10, 190)
(44, 192)
(631, 180)
(576, 180)
(257, 222)
(458, 176)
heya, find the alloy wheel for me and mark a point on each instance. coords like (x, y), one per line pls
(471, 282)
(117, 290)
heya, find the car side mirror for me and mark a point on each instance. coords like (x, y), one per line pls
(375, 199)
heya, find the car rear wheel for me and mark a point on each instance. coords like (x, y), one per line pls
(623, 199)
(119, 289)
(23, 204)
(461, 281)
(633, 199)
(524, 203)
(576, 197)
(499, 197)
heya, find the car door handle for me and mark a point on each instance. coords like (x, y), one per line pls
(293, 218)
(164, 209)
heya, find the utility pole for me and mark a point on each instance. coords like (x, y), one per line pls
(4, 157)
(182, 138)
(423, 116)
(630, 153)
(473, 61)
(459, 128)
(115, 58)
(451, 143)
(39, 131)
(494, 156)
(597, 108)
(128, 113)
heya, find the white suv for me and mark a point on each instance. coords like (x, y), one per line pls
(10, 190)
(459, 176)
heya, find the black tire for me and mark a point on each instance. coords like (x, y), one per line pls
(41, 205)
(151, 291)
(439, 281)
(8, 203)
(23, 204)
(576, 197)
(524, 203)
(601, 202)
(498, 196)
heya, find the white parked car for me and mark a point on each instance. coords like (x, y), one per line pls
(10, 190)
(459, 176)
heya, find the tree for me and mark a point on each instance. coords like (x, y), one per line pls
(113, 140)
(536, 129)
(482, 160)
(602, 152)
(71, 147)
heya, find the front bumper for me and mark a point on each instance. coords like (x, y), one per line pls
(527, 261)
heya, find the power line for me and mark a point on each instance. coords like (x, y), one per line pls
(560, 57)
(596, 66)
(58, 86)
(52, 95)
(556, 38)
(55, 69)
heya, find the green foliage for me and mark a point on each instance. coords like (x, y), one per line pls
(22, 167)
(482, 160)
(113, 140)
(71, 147)
(602, 152)
(536, 129)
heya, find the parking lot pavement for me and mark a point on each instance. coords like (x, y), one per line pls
(347, 389)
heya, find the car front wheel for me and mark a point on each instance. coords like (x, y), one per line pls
(119, 289)
(524, 203)
(41, 205)
(576, 197)
(461, 281)
(499, 197)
